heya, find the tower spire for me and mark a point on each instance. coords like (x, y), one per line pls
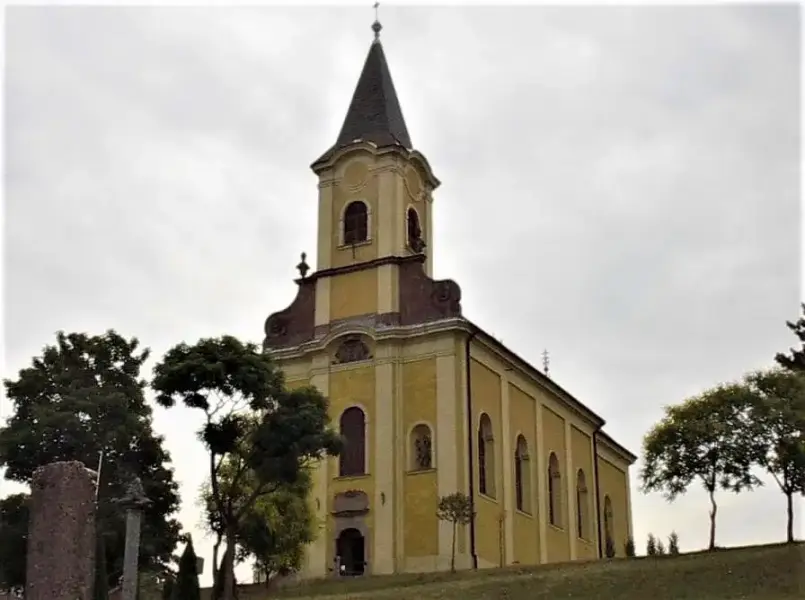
(374, 114)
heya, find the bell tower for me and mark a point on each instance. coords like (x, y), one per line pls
(375, 190)
(375, 235)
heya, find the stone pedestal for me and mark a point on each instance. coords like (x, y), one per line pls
(61, 533)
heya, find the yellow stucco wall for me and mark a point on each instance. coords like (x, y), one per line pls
(553, 431)
(353, 294)
(582, 453)
(503, 533)
(523, 416)
(613, 482)
(486, 399)
(459, 350)
(421, 527)
(351, 387)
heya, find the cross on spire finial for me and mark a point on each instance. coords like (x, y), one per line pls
(376, 26)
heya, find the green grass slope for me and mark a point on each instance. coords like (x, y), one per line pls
(757, 573)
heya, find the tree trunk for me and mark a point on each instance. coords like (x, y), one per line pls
(228, 568)
(713, 511)
(215, 548)
(790, 528)
(453, 551)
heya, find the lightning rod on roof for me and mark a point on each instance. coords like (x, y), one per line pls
(545, 361)
(376, 26)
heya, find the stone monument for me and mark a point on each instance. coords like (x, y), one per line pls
(133, 503)
(61, 533)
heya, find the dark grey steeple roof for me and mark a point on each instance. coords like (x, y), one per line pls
(374, 113)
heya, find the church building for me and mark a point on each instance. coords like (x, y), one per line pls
(428, 403)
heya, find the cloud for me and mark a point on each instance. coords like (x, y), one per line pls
(625, 181)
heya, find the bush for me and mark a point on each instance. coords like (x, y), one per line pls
(651, 545)
(673, 544)
(610, 547)
(629, 548)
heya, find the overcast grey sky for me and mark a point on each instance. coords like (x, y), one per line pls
(627, 177)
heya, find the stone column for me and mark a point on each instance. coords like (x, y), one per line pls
(133, 502)
(542, 488)
(384, 505)
(61, 533)
(572, 530)
(508, 471)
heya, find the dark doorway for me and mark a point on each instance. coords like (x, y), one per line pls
(350, 547)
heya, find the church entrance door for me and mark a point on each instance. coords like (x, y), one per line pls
(351, 549)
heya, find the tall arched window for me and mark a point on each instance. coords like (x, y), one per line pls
(352, 460)
(415, 240)
(554, 491)
(356, 223)
(522, 475)
(486, 457)
(421, 448)
(609, 528)
(582, 506)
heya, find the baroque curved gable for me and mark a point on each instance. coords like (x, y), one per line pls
(295, 324)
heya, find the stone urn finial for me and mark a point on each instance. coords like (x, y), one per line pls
(303, 267)
(134, 497)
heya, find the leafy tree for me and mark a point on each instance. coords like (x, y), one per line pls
(233, 383)
(83, 397)
(275, 530)
(455, 509)
(609, 547)
(776, 419)
(660, 548)
(701, 439)
(628, 547)
(186, 586)
(673, 544)
(651, 545)
(13, 541)
(796, 360)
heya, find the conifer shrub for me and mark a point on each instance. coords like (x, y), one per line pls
(651, 545)
(629, 548)
(186, 586)
(673, 544)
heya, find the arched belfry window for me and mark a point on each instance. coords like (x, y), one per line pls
(356, 223)
(522, 476)
(554, 491)
(352, 460)
(421, 448)
(582, 506)
(415, 241)
(486, 457)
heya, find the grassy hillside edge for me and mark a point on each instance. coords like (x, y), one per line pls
(773, 572)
